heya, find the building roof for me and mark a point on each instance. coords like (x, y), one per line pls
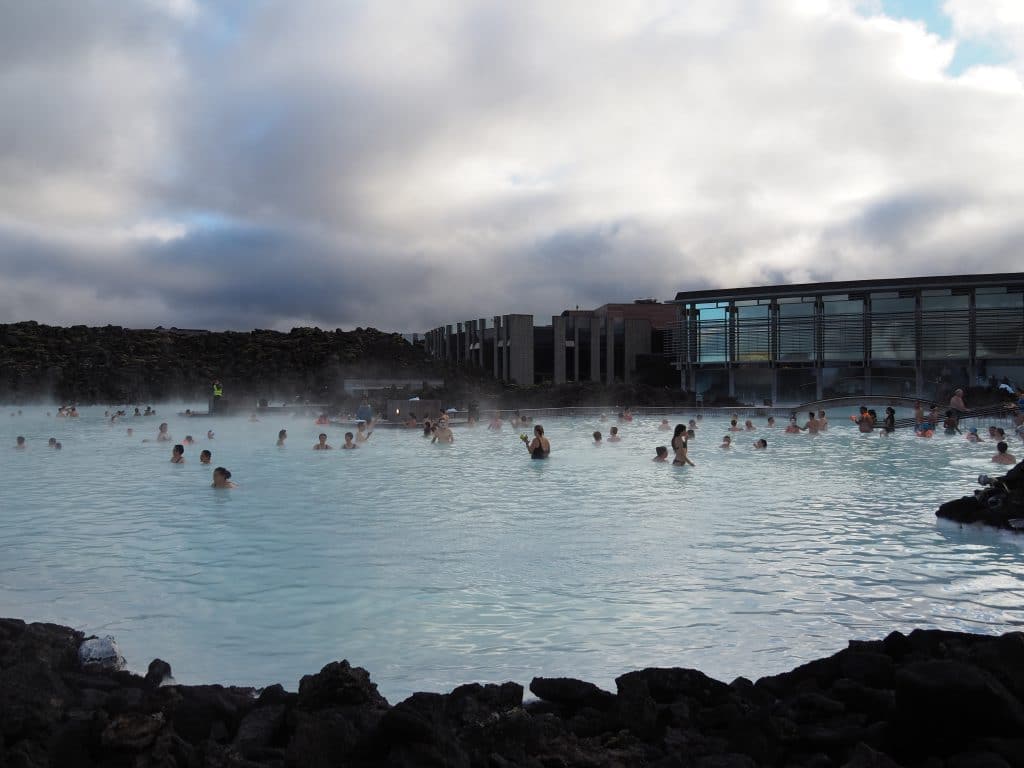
(1015, 279)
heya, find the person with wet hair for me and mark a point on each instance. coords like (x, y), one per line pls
(178, 454)
(322, 444)
(1002, 456)
(597, 438)
(614, 436)
(660, 454)
(760, 444)
(222, 478)
(205, 457)
(281, 437)
(539, 447)
(19, 443)
(349, 445)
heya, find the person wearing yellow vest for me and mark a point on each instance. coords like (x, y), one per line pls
(218, 390)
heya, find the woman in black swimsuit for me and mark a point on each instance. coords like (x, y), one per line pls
(540, 447)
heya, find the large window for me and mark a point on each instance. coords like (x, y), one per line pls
(796, 329)
(893, 327)
(1000, 323)
(753, 333)
(945, 325)
(843, 328)
(712, 332)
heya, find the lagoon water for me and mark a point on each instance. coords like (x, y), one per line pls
(433, 566)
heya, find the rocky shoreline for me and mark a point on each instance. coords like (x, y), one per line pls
(930, 698)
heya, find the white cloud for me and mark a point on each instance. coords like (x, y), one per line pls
(404, 164)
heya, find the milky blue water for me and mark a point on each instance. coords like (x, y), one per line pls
(437, 565)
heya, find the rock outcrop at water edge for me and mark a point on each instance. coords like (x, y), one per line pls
(930, 698)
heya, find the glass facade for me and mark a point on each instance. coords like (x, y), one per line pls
(883, 341)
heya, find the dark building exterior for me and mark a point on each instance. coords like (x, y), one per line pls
(602, 345)
(798, 343)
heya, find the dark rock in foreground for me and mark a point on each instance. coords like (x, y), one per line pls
(930, 698)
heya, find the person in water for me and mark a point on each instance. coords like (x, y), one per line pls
(661, 454)
(281, 437)
(597, 439)
(760, 444)
(209, 434)
(322, 445)
(681, 447)
(495, 423)
(178, 454)
(1001, 456)
(734, 426)
(951, 424)
(972, 436)
(205, 457)
(822, 421)
(443, 434)
(189, 440)
(539, 447)
(726, 443)
(811, 426)
(361, 434)
(771, 421)
(748, 426)
(664, 427)
(349, 445)
(956, 402)
(51, 442)
(792, 428)
(614, 436)
(222, 479)
(163, 436)
(889, 423)
(19, 443)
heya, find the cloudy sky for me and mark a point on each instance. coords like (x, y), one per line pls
(272, 163)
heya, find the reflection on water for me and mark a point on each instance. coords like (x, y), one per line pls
(436, 565)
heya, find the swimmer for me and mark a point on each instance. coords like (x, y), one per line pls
(131, 432)
(178, 454)
(349, 445)
(281, 437)
(597, 439)
(603, 418)
(1002, 457)
(692, 424)
(428, 428)
(792, 429)
(761, 444)
(19, 443)
(496, 423)
(163, 436)
(411, 421)
(361, 434)
(972, 436)
(209, 434)
(222, 479)
(137, 412)
(660, 454)
(205, 457)
(51, 442)
(865, 422)
(690, 434)
(254, 417)
(771, 421)
(189, 440)
(443, 434)
(57, 446)
(748, 425)
(726, 443)
(664, 426)
(734, 426)
(812, 425)
(681, 447)
(539, 447)
(822, 421)
(614, 436)
(889, 424)
(322, 445)
(951, 424)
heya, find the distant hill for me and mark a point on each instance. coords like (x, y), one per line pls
(121, 365)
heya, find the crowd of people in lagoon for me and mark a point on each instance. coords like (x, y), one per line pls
(926, 424)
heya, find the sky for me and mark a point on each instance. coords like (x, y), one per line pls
(279, 163)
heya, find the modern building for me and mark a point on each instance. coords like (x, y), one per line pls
(798, 343)
(600, 345)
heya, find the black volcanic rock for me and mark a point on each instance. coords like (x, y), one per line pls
(120, 365)
(930, 698)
